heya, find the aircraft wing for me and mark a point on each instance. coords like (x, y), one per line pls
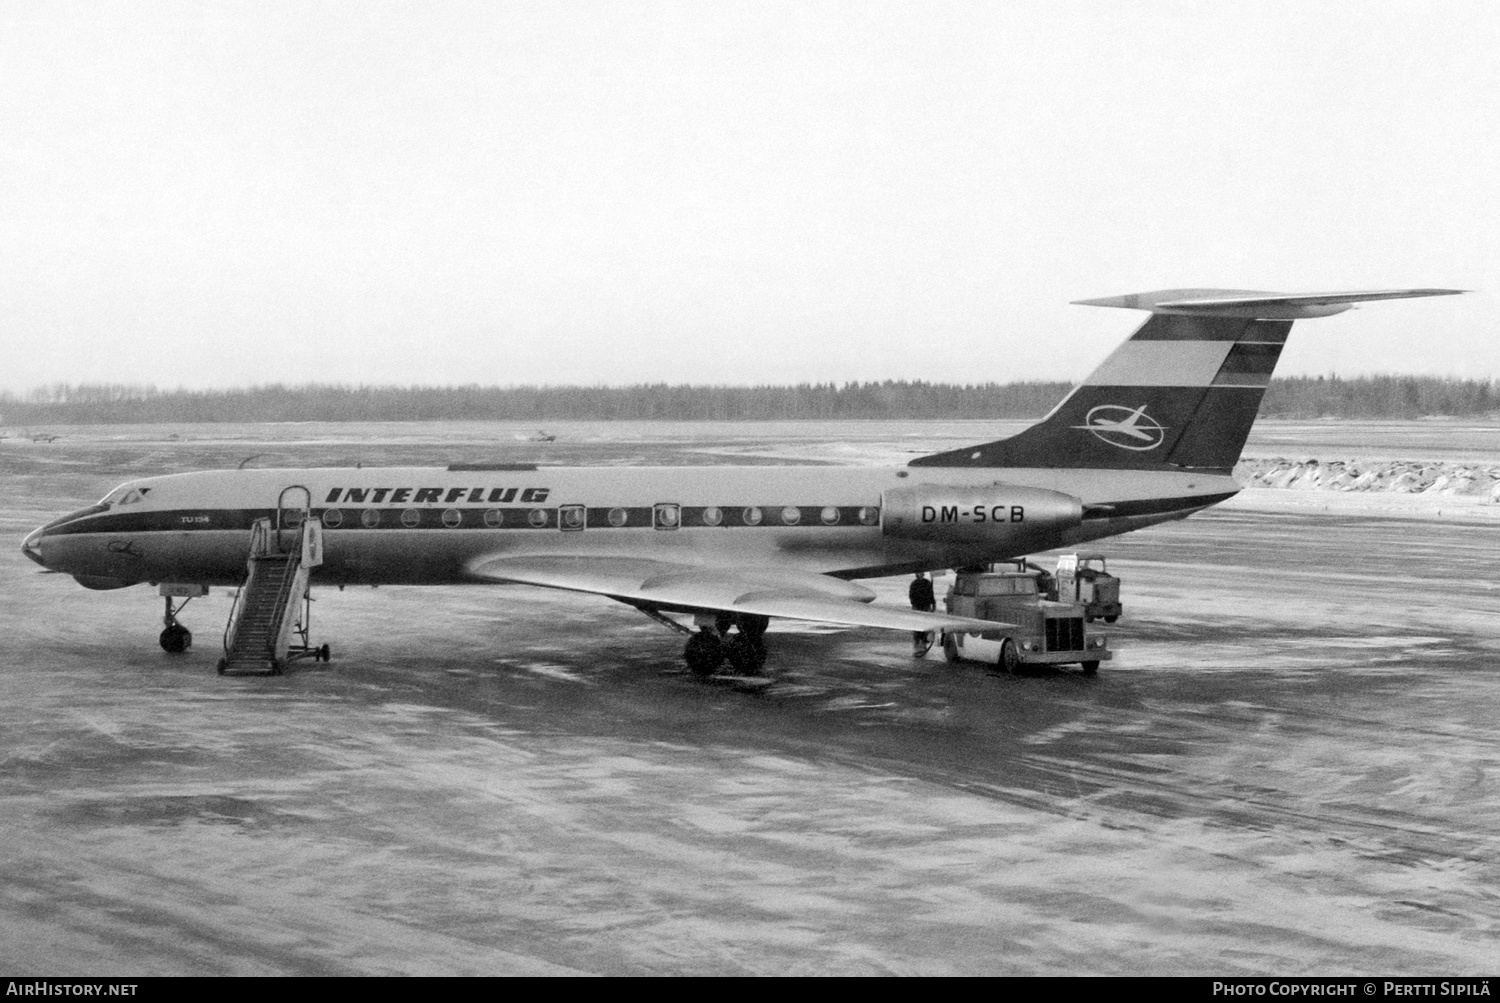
(794, 595)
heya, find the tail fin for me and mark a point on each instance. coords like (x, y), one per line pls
(1182, 392)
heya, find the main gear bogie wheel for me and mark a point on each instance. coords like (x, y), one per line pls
(704, 652)
(747, 653)
(752, 625)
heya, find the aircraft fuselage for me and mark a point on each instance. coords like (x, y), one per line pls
(432, 525)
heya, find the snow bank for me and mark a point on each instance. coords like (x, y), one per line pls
(1471, 481)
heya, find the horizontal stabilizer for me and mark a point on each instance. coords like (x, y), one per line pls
(794, 595)
(1257, 305)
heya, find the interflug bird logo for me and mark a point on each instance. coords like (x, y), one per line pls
(1127, 428)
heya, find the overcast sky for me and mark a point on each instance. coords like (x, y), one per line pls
(217, 194)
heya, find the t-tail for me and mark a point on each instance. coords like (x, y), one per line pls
(1180, 394)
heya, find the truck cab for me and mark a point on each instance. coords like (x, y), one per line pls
(1084, 579)
(1029, 628)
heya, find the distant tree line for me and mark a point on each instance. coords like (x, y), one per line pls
(1293, 397)
(1379, 397)
(116, 404)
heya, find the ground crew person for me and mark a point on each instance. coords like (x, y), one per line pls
(922, 600)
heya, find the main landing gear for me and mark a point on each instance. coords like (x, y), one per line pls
(175, 638)
(712, 644)
(744, 650)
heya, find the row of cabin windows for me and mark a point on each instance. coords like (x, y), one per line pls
(573, 517)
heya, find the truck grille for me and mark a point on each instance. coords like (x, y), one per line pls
(1065, 634)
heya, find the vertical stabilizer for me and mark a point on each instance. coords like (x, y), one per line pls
(1181, 393)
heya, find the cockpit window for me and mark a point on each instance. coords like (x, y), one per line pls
(124, 495)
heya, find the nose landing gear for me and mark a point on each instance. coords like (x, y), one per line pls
(175, 638)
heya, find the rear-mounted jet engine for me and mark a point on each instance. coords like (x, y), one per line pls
(997, 517)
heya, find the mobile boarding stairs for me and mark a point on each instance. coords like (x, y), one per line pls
(270, 623)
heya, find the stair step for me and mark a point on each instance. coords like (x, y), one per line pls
(259, 619)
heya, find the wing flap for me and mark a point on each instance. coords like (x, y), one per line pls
(836, 611)
(793, 595)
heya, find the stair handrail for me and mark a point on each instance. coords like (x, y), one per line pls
(284, 590)
(260, 539)
(281, 507)
(234, 614)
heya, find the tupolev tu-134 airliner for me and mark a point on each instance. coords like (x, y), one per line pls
(1151, 435)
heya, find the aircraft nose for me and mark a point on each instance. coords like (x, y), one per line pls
(31, 546)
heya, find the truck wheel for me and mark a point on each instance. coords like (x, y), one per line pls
(1090, 668)
(1010, 657)
(1112, 619)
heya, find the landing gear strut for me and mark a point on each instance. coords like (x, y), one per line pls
(175, 638)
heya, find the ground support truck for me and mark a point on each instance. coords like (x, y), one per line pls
(1084, 579)
(1029, 629)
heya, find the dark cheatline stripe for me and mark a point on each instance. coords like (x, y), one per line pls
(520, 517)
(80, 514)
(1249, 364)
(1177, 327)
(492, 466)
(182, 521)
(634, 517)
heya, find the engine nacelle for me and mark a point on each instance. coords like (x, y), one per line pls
(994, 517)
